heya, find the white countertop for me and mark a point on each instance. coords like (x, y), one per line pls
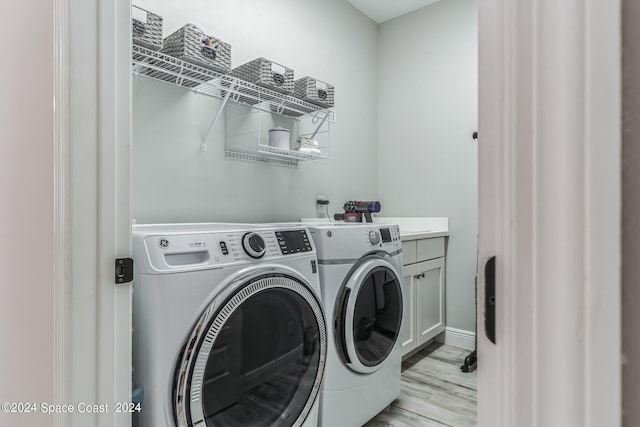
(411, 228)
(414, 228)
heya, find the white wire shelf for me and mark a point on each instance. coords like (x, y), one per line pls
(230, 154)
(292, 154)
(148, 63)
(273, 155)
(158, 66)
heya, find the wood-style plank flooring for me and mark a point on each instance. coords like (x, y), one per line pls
(435, 393)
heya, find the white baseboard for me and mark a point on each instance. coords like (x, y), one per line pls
(458, 338)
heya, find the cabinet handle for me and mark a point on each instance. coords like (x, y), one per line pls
(418, 276)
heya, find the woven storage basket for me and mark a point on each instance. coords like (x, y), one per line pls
(267, 74)
(191, 44)
(146, 28)
(314, 91)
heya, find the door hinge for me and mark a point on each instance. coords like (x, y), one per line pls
(490, 299)
(123, 270)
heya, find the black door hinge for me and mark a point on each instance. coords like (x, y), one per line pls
(490, 299)
(123, 270)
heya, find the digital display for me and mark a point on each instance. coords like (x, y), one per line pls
(293, 241)
(386, 235)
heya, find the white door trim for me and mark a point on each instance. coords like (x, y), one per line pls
(603, 258)
(114, 225)
(98, 341)
(549, 153)
(61, 219)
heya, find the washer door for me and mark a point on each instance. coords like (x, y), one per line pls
(254, 359)
(369, 314)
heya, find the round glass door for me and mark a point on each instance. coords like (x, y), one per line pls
(371, 315)
(257, 360)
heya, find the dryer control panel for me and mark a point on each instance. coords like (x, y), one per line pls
(382, 236)
(351, 241)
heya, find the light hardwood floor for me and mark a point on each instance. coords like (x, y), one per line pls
(435, 393)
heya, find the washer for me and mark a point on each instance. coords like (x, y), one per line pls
(361, 288)
(228, 327)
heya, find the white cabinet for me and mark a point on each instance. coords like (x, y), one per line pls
(429, 299)
(408, 330)
(424, 281)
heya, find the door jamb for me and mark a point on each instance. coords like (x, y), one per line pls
(549, 199)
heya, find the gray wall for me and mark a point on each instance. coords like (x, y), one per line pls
(630, 211)
(427, 94)
(174, 181)
(406, 95)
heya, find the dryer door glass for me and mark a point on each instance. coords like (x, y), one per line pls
(377, 315)
(261, 361)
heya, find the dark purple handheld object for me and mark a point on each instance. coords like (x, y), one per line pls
(362, 206)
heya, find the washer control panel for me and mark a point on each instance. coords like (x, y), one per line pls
(254, 245)
(169, 252)
(249, 245)
(293, 241)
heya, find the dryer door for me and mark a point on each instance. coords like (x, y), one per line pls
(256, 358)
(369, 314)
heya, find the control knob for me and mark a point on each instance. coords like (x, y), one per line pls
(253, 245)
(374, 237)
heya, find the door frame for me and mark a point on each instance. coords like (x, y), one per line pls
(92, 216)
(61, 213)
(549, 200)
(549, 79)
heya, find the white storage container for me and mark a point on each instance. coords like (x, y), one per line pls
(279, 138)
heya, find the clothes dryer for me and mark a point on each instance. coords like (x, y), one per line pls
(361, 288)
(228, 327)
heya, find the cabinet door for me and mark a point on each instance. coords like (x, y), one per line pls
(408, 329)
(429, 286)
